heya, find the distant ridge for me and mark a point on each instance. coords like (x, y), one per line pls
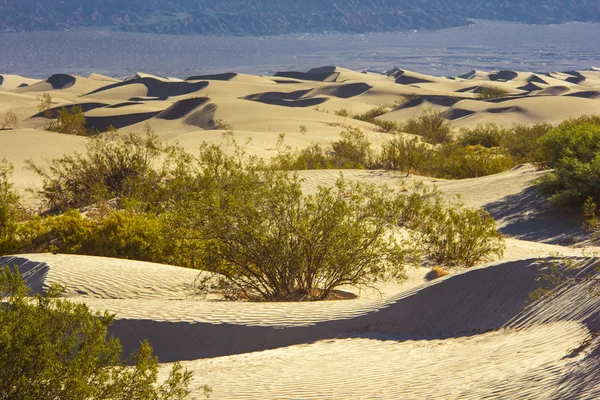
(264, 17)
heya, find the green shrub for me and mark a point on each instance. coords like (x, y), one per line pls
(449, 161)
(407, 155)
(488, 135)
(454, 235)
(114, 166)
(53, 348)
(521, 141)
(431, 125)
(352, 151)
(371, 115)
(572, 149)
(342, 112)
(70, 121)
(387, 126)
(10, 121)
(9, 210)
(491, 92)
(452, 161)
(271, 242)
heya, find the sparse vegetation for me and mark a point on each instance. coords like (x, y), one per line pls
(115, 166)
(10, 121)
(492, 92)
(455, 235)
(53, 348)
(70, 121)
(223, 125)
(45, 105)
(572, 150)
(431, 125)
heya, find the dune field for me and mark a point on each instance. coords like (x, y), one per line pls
(474, 334)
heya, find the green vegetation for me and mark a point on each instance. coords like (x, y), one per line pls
(572, 150)
(458, 236)
(10, 121)
(52, 348)
(492, 92)
(431, 125)
(10, 212)
(114, 166)
(70, 121)
(234, 215)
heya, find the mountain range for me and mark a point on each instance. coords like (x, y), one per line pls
(274, 17)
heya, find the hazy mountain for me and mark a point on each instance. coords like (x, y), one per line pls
(272, 17)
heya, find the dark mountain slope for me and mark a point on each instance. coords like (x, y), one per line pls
(272, 17)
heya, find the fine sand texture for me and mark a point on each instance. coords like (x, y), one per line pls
(474, 334)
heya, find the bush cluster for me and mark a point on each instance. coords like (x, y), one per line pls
(52, 348)
(572, 151)
(236, 216)
(491, 92)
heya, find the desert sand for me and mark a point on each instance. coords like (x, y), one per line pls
(471, 335)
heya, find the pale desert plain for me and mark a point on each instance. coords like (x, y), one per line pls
(471, 335)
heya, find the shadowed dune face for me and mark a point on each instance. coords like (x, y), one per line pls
(157, 88)
(61, 81)
(216, 77)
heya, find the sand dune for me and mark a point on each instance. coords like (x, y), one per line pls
(465, 336)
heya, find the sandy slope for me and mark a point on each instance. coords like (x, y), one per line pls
(466, 336)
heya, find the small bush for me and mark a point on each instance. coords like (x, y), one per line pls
(9, 210)
(521, 141)
(371, 115)
(454, 235)
(114, 166)
(342, 112)
(492, 92)
(10, 121)
(449, 161)
(352, 151)
(70, 121)
(407, 155)
(223, 125)
(44, 105)
(572, 149)
(488, 135)
(387, 126)
(436, 273)
(431, 125)
(56, 349)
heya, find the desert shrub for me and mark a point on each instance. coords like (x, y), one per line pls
(44, 105)
(52, 348)
(221, 124)
(453, 161)
(488, 135)
(114, 166)
(353, 150)
(454, 235)
(371, 115)
(449, 161)
(404, 154)
(431, 125)
(572, 149)
(521, 141)
(9, 210)
(269, 241)
(342, 112)
(436, 273)
(10, 121)
(70, 121)
(590, 212)
(387, 126)
(491, 92)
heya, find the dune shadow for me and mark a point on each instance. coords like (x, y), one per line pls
(526, 216)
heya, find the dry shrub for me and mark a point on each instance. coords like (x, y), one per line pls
(436, 273)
